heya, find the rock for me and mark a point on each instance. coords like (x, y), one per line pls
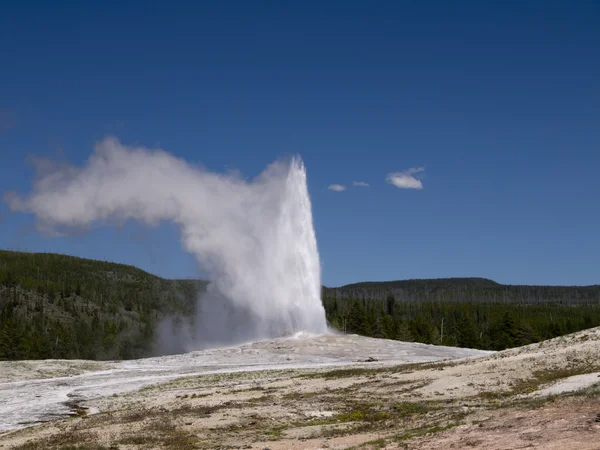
(369, 359)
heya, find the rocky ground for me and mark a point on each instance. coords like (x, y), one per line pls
(540, 396)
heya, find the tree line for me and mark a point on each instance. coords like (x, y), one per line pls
(59, 306)
(467, 321)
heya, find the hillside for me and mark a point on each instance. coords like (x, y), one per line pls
(58, 306)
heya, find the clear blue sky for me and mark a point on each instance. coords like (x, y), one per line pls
(499, 102)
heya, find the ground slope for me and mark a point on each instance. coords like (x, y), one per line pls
(32, 391)
(506, 400)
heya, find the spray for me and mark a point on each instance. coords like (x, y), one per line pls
(255, 239)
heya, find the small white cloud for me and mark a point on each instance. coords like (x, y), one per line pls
(405, 179)
(336, 187)
(360, 184)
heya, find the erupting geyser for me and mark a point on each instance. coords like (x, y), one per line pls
(255, 239)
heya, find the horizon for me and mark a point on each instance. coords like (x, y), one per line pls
(323, 285)
(439, 139)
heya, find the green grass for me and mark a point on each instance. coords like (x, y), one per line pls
(274, 433)
(409, 409)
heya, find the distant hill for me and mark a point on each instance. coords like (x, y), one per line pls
(58, 306)
(422, 283)
(465, 289)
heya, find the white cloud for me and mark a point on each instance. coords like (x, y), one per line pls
(405, 179)
(336, 187)
(360, 184)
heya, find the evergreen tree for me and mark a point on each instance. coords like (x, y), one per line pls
(466, 333)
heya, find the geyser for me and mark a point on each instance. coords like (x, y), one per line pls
(255, 239)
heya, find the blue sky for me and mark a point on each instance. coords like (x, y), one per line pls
(498, 102)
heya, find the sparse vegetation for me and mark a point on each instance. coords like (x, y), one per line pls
(383, 405)
(540, 378)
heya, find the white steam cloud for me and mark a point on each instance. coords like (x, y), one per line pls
(337, 187)
(255, 239)
(405, 179)
(360, 184)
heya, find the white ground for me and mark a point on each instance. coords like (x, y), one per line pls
(37, 391)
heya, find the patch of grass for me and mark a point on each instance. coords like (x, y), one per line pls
(365, 415)
(274, 433)
(537, 402)
(395, 383)
(550, 375)
(163, 432)
(208, 394)
(341, 373)
(200, 410)
(254, 388)
(44, 445)
(256, 401)
(143, 414)
(352, 416)
(376, 443)
(65, 440)
(409, 409)
(302, 395)
(371, 371)
(424, 430)
(139, 439)
(540, 378)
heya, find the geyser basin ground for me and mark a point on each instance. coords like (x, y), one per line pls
(56, 385)
(516, 398)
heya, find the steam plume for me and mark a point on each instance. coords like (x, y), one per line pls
(255, 239)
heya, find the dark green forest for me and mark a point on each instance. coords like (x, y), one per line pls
(463, 312)
(58, 306)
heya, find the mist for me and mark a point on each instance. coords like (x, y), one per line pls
(255, 239)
